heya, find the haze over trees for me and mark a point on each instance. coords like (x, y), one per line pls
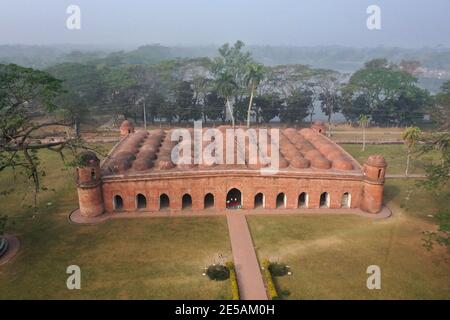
(231, 88)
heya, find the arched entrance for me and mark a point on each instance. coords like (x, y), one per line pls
(209, 201)
(234, 199)
(325, 200)
(118, 203)
(141, 201)
(164, 202)
(186, 202)
(346, 200)
(303, 200)
(281, 200)
(259, 201)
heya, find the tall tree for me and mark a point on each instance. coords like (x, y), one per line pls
(83, 90)
(214, 107)
(24, 93)
(382, 85)
(411, 136)
(363, 123)
(226, 88)
(329, 84)
(254, 76)
(297, 106)
(268, 106)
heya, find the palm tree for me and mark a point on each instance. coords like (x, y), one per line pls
(363, 122)
(410, 136)
(226, 86)
(254, 76)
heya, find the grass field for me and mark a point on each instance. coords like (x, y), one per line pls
(136, 258)
(163, 258)
(395, 156)
(329, 254)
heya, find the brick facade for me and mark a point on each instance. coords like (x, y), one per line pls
(355, 188)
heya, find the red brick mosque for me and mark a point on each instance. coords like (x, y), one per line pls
(314, 172)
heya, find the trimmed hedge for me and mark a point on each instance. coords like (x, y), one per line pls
(270, 285)
(233, 279)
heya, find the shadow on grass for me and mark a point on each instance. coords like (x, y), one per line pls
(390, 192)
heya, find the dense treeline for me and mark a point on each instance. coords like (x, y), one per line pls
(345, 59)
(234, 87)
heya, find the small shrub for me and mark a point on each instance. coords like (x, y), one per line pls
(278, 269)
(233, 279)
(218, 272)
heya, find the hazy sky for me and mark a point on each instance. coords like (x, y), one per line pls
(406, 23)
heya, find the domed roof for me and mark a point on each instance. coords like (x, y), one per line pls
(342, 164)
(300, 163)
(87, 158)
(376, 160)
(320, 162)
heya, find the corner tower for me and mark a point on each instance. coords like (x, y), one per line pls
(319, 127)
(126, 128)
(374, 170)
(89, 185)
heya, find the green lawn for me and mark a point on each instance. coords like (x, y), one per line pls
(131, 259)
(163, 257)
(329, 254)
(395, 155)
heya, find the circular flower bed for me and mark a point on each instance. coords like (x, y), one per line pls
(218, 272)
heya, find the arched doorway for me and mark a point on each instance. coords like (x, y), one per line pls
(186, 202)
(118, 203)
(346, 200)
(303, 200)
(234, 199)
(281, 200)
(164, 202)
(141, 201)
(325, 200)
(259, 201)
(209, 201)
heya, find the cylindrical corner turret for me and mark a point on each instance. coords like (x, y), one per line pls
(319, 127)
(89, 185)
(374, 170)
(126, 128)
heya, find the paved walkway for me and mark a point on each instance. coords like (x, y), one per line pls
(251, 285)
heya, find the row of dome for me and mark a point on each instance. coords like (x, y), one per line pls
(299, 149)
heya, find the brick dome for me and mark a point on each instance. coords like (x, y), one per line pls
(376, 160)
(87, 158)
(300, 163)
(342, 164)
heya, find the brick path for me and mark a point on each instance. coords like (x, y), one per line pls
(251, 285)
